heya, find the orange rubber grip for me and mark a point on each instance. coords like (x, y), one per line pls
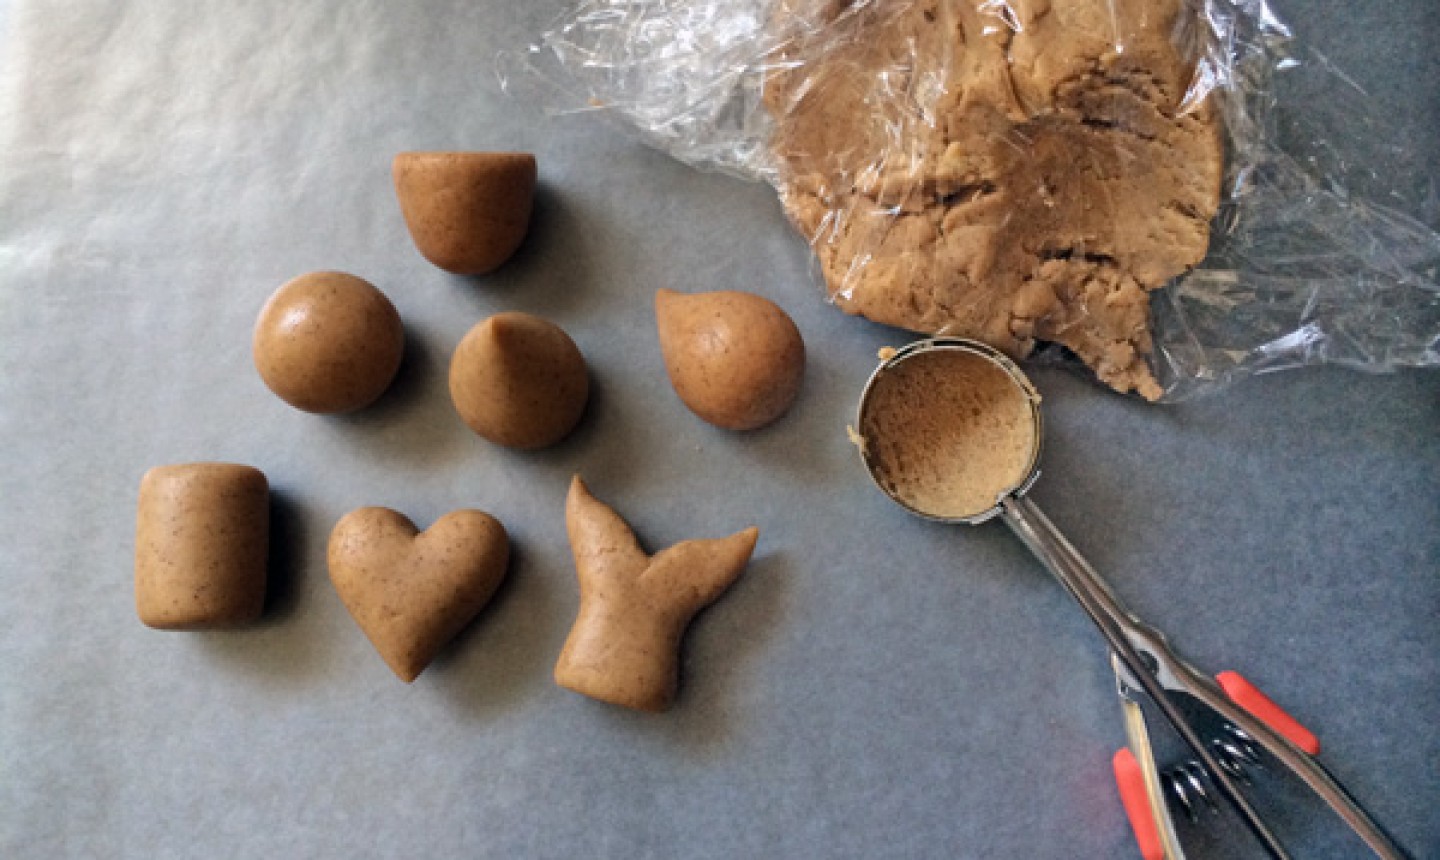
(1131, 782)
(1249, 697)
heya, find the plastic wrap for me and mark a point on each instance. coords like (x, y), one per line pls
(1030, 171)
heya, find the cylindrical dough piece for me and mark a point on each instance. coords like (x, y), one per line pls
(201, 541)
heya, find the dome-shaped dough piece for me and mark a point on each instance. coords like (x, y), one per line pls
(467, 212)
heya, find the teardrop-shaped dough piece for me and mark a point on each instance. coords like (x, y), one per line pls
(736, 359)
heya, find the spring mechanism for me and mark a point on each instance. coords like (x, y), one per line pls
(1235, 752)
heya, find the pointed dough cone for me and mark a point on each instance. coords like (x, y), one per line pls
(467, 211)
(519, 381)
(624, 647)
(412, 592)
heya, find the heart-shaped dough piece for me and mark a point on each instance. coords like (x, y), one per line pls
(412, 591)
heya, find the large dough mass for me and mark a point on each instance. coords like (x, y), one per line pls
(1014, 171)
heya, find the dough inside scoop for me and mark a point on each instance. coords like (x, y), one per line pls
(948, 432)
(1013, 172)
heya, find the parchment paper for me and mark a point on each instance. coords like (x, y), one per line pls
(873, 687)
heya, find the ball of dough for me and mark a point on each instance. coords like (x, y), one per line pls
(328, 342)
(519, 381)
(736, 359)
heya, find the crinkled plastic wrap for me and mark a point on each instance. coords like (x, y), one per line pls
(1104, 178)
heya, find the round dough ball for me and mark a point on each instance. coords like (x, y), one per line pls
(328, 342)
(736, 359)
(519, 381)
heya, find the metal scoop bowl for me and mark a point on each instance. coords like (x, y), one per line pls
(904, 393)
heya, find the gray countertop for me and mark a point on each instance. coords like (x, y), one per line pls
(873, 686)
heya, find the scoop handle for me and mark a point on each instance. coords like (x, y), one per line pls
(1249, 697)
(1114, 621)
(1118, 626)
